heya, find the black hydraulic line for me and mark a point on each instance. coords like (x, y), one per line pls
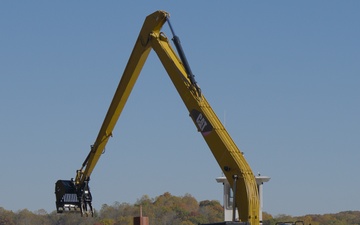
(182, 56)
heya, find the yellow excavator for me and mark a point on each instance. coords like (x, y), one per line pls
(75, 195)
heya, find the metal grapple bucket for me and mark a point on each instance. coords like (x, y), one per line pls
(66, 197)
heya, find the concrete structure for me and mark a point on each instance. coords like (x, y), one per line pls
(228, 196)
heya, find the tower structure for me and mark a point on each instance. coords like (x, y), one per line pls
(228, 196)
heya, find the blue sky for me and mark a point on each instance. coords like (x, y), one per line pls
(283, 76)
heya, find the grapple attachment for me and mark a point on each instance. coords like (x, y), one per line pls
(66, 196)
(70, 198)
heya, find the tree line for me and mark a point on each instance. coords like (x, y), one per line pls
(341, 218)
(165, 209)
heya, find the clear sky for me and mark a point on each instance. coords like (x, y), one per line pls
(283, 76)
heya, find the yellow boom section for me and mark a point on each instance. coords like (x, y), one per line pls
(153, 23)
(228, 156)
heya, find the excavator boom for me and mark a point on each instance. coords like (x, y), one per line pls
(225, 151)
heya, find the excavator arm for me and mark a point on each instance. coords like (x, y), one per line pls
(228, 156)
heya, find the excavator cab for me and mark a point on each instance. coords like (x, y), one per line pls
(69, 198)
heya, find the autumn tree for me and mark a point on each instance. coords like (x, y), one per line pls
(6, 217)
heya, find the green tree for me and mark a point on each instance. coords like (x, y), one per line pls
(6, 217)
(107, 222)
(212, 211)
